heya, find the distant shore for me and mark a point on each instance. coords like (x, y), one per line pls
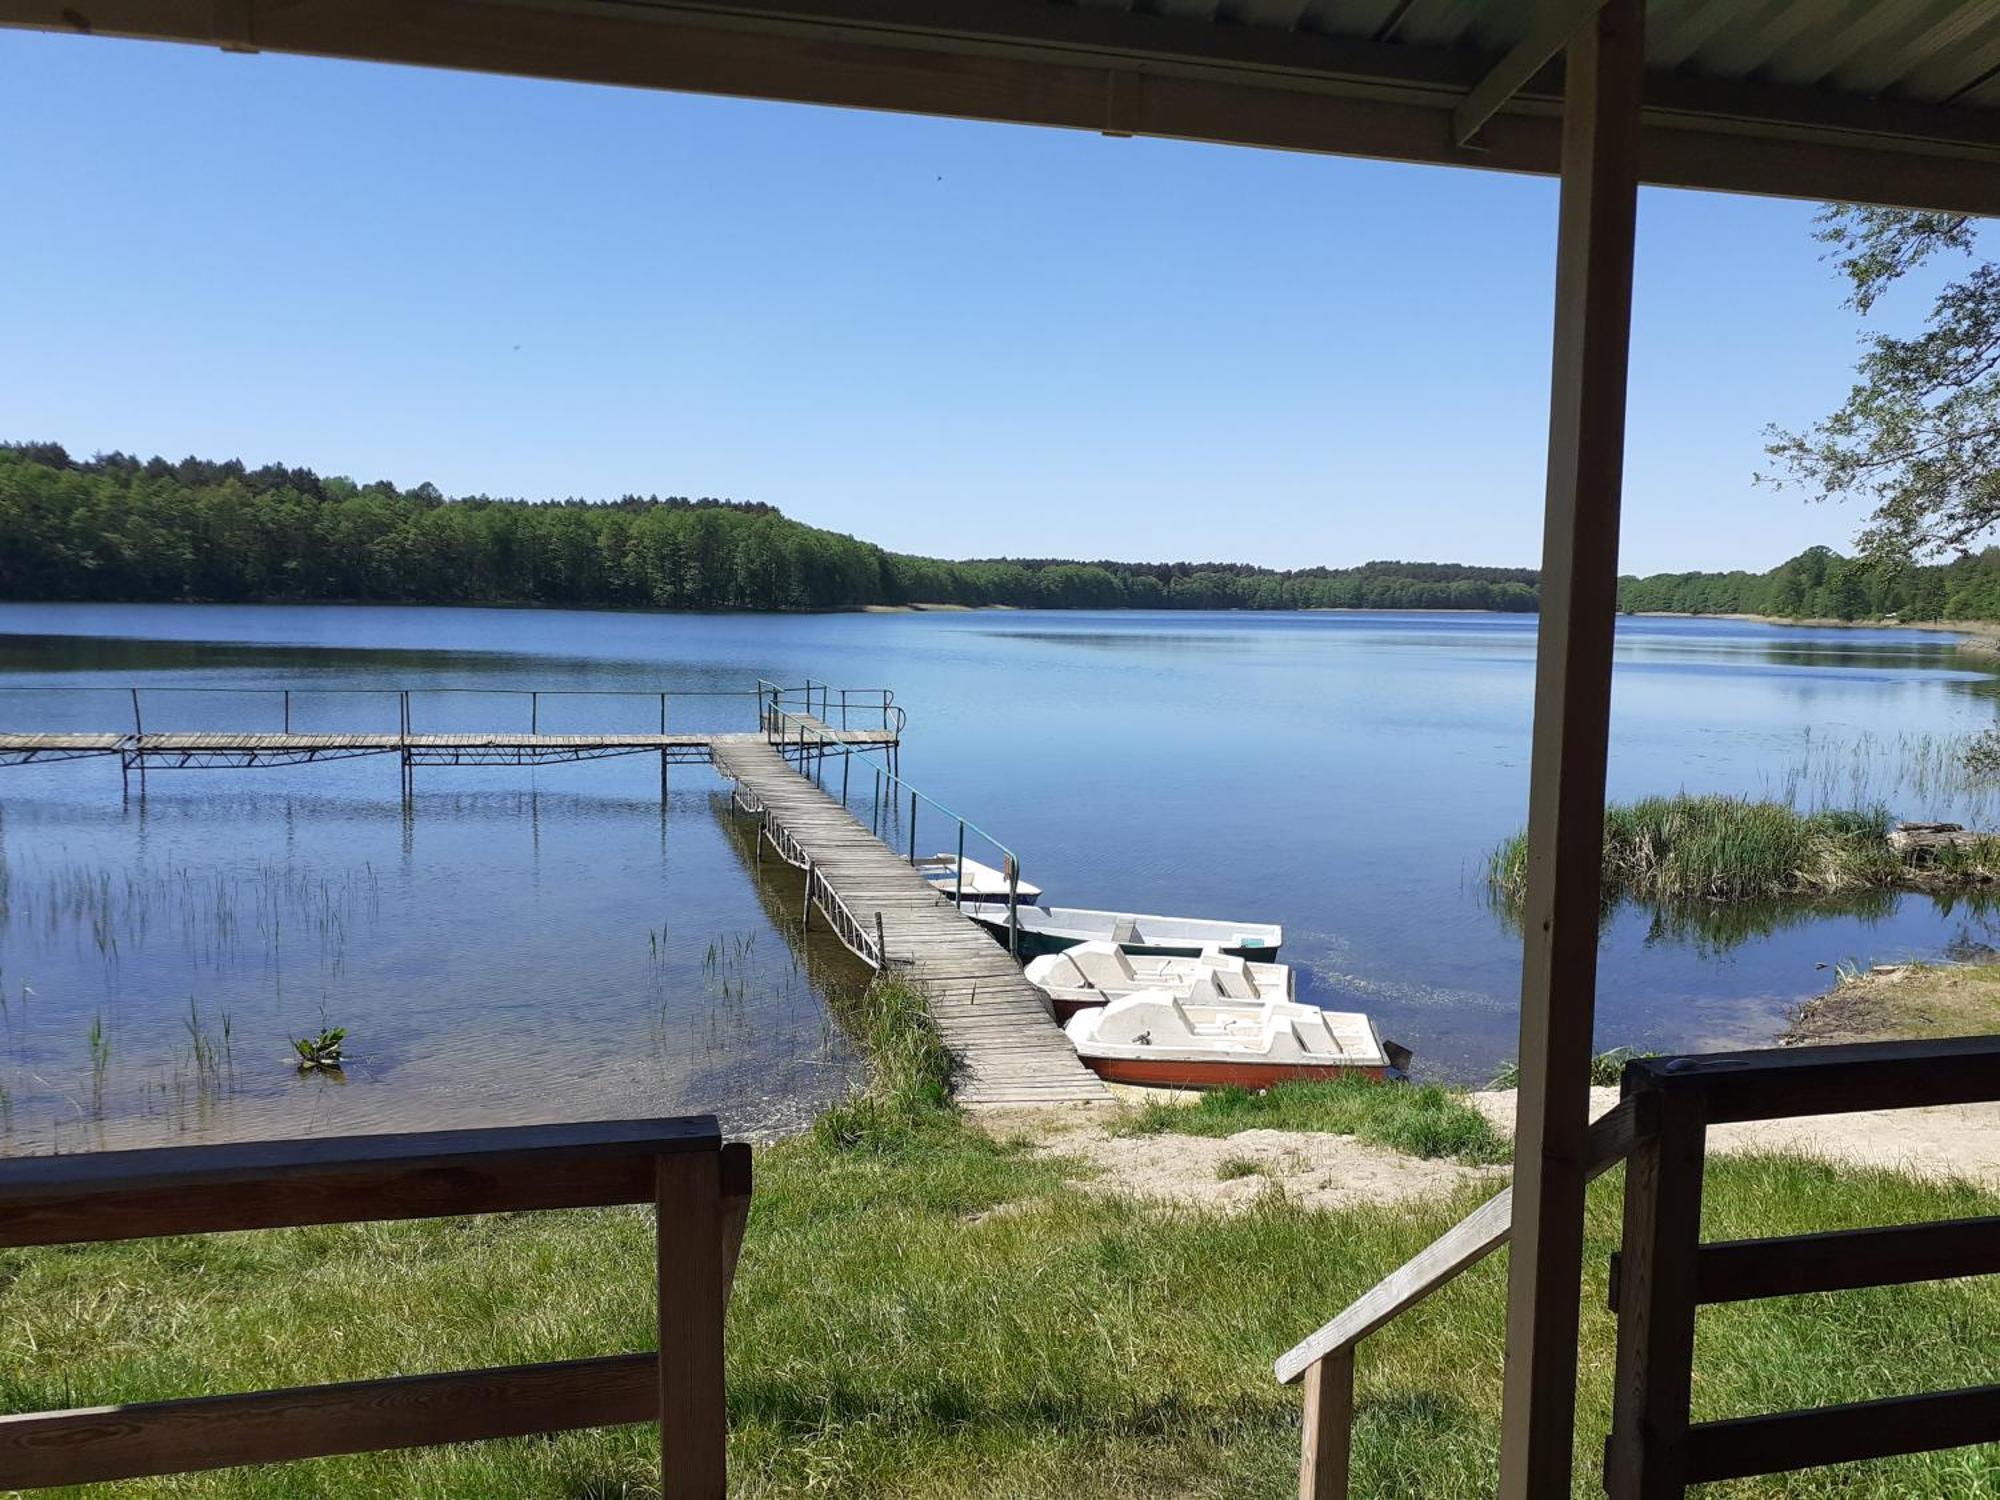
(1979, 635)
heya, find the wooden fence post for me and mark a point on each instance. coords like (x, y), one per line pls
(1647, 1455)
(1326, 1442)
(694, 1416)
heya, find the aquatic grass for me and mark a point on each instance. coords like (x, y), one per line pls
(910, 1069)
(1425, 1120)
(1717, 848)
(1607, 1069)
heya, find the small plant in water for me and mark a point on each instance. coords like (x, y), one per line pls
(321, 1053)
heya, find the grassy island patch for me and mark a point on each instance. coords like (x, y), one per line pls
(1715, 848)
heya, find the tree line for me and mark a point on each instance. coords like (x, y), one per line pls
(1820, 584)
(115, 527)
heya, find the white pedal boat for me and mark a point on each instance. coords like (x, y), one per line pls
(1050, 929)
(1155, 1038)
(979, 883)
(1096, 973)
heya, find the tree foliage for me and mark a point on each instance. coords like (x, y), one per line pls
(1820, 584)
(1918, 437)
(116, 528)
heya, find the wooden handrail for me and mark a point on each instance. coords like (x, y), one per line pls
(701, 1191)
(1464, 1245)
(1325, 1358)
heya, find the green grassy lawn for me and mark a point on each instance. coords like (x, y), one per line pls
(923, 1312)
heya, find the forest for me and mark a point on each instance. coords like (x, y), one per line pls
(116, 527)
(1820, 584)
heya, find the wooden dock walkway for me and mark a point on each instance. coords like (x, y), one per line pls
(229, 747)
(988, 1013)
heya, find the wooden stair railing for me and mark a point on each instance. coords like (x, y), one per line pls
(699, 1185)
(1325, 1359)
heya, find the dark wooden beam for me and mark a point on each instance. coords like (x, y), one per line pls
(1091, 68)
(1594, 254)
(115, 1195)
(1842, 1434)
(101, 1443)
(1843, 1260)
(1789, 1082)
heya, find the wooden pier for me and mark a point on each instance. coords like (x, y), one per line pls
(869, 894)
(999, 1024)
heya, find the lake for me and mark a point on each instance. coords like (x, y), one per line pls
(558, 943)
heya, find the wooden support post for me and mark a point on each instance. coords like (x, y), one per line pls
(138, 741)
(1646, 1458)
(1326, 1441)
(806, 906)
(694, 1423)
(1579, 583)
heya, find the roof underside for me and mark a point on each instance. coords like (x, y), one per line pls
(1886, 101)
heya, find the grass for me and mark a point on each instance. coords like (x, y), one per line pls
(1686, 849)
(1607, 1069)
(923, 1313)
(1911, 1001)
(1416, 1119)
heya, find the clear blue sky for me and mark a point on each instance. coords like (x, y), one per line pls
(950, 338)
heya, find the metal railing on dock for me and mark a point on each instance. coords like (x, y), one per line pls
(809, 738)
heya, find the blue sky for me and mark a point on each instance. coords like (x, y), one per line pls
(950, 338)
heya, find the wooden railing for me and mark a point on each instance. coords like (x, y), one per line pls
(1664, 1273)
(701, 1189)
(1325, 1359)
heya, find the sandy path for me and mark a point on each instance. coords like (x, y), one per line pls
(1232, 1172)
(1956, 1141)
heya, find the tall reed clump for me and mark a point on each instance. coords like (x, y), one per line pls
(1715, 848)
(910, 1069)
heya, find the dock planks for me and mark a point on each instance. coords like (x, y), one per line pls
(988, 1013)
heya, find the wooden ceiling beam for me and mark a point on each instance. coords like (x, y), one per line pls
(1170, 78)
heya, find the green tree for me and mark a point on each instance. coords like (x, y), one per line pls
(1918, 437)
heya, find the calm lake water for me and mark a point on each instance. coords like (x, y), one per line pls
(557, 944)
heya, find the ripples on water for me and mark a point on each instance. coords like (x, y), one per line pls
(558, 943)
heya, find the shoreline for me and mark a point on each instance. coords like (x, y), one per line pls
(1901, 1002)
(1977, 635)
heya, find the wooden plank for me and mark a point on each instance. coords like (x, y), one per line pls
(1646, 1457)
(694, 1421)
(115, 1195)
(92, 1444)
(1861, 1430)
(1579, 600)
(1326, 1441)
(1844, 1259)
(1790, 1082)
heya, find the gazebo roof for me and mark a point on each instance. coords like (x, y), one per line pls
(1888, 101)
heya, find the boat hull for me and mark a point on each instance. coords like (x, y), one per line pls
(1039, 944)
(1189, 1073)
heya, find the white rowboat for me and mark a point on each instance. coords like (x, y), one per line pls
(1096, 973)
(1050, 929)
(1158, 1039)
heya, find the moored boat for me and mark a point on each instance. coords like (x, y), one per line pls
(971, 882)
(1158, 1039)
(1096, 973)
(1051, 929)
